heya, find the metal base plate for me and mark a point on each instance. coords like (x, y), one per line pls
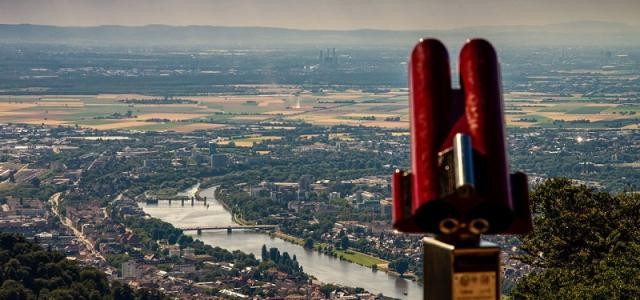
(461, 273)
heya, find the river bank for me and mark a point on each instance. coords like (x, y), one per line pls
(352, 256)
(349, 255)
(326, 268)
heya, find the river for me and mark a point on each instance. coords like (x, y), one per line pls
(325, 268)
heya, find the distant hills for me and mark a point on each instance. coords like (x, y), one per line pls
(584, 33)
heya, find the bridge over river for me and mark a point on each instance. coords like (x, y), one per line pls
(326, 268)
(199, 229)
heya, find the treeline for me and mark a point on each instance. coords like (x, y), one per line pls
(283, 262)
(247, 206)
(153, 229)
(116, 115)
(330, 165)
(30, 272)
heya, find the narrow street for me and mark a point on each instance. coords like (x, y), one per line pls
(55, 209)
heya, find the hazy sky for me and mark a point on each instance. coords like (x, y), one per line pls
(319, 14)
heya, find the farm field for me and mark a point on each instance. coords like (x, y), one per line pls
(387, 110)
(191, 113)
(249, 140)
(575, 111)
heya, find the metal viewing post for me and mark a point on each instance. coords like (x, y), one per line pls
(459, 187)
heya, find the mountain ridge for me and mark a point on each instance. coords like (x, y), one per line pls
(570, 33)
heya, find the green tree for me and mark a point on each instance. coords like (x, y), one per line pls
(401, 265)
(12, 289)
(585, 244)
(265, 253)
(344, 242)
(308, 243)
(326, 289)
(29, 272)
(120, 291)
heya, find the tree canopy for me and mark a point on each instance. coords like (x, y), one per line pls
(585, 244)
(400, 265)
(29, 272)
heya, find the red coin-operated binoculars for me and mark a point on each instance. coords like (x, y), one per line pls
(459, 186)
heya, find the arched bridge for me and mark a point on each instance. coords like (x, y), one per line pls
(199, 229)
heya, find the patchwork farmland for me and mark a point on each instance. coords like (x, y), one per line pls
(288, 103)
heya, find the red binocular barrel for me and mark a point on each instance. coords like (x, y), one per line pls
(480, 83)
(430, 110)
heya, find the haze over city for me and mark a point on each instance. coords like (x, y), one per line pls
(318, 14)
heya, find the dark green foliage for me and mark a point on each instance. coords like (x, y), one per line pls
(344, 242)
(116, 260)
(35, 182)
(400, 265)
(265, 253)
(29, 272)
(326, 289)
(252, 208)
(284, 263)
(12, 289)
(308, 243)
(153, 229)
(586, 244)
